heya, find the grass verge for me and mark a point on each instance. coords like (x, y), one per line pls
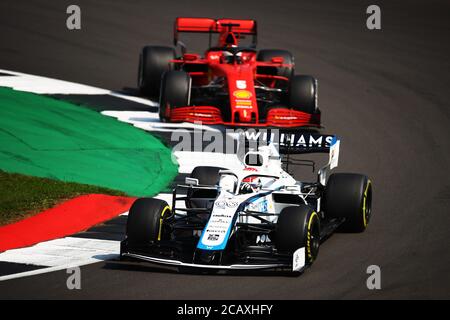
(23, 196)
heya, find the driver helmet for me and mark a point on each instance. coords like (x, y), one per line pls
(230, 40)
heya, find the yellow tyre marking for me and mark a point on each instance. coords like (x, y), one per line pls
(364, 203)
(308, 236)
(161, 221)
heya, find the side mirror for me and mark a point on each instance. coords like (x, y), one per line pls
(277, 59)
(191, 181)
(182, 47)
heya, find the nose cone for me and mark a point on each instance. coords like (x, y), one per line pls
(243, 116)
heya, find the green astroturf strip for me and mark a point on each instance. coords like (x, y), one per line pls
(43, 137)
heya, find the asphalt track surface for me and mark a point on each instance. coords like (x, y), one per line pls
(384, 92)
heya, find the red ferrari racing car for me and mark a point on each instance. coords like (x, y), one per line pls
(229, 84)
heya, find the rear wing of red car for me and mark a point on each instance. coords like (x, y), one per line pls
(208, 25)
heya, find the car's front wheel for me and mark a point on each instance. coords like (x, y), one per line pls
(302, 93)
(298, 227)
(175, 92)
(145, 221)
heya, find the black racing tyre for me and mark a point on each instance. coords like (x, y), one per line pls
(206, 176)
(302, 93)
(297, 227)
(267, 54)
(175, 92)
(144, 221)
(349, 196)
(153, 62)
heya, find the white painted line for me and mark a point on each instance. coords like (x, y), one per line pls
(64, 251)
(43, 85)
(134, 99)
(56, 268)
(61, 254)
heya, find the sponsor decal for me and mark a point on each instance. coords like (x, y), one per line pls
(217, 231)
(242, 94)
(226, 203)
(286, 117)
(288, 139)
(263, 239)
(223, 215)
(334, 153)
(213, 237)
(243, 102)
(241, 84)
(261, 205)
(220, 204)
(209, 230)
(305, 140)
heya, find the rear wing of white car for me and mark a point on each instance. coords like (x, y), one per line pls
(295, 142)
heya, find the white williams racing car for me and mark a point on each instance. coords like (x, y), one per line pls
(255, 216)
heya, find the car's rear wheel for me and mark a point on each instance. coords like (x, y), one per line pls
(302, 93)
(349, 196)
(206, 176)
(145, 221)
(297, 227)
(266, 55)
(175, 92)
(153, 62)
